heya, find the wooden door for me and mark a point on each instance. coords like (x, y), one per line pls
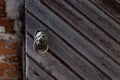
(84, 41)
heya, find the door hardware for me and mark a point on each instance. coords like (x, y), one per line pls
(40, 44)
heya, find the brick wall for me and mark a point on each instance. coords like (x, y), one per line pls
(10, 53)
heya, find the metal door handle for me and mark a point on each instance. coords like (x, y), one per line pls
(40, 44)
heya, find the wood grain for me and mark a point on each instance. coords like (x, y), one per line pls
(69, 56)
(83, 25)
(50, 64)
(84, 41)
(110, 7)
(98, 17)
(74, 39)
(35, 72)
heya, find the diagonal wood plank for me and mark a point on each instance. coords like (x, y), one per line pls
(98, 17)
(36, 73)
(110, 7)
(32, 76)
(50, 64)
(76, 62)
(86, 27)
(86, 49)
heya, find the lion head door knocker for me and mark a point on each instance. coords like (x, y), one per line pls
(41, 42)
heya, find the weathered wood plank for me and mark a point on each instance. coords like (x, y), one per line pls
(75, 61)
(53, 66)
(111, 7)
(98, 17)
(32, 76)
(74, 39)
(36, 73)
(86, 27)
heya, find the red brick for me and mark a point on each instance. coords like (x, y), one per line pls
(2, 1)
(7, 51)
(2, 15)
(12, 59)
(13, 45)
(14, 74)
(8, 25)
(1, 73)
(2, 43)
(2, 9)
(17, 66)
(5, 79)
(5, 66)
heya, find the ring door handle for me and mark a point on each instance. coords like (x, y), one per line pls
(40, 44)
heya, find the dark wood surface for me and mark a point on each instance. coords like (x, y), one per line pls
(84, 41)
(110, 7)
